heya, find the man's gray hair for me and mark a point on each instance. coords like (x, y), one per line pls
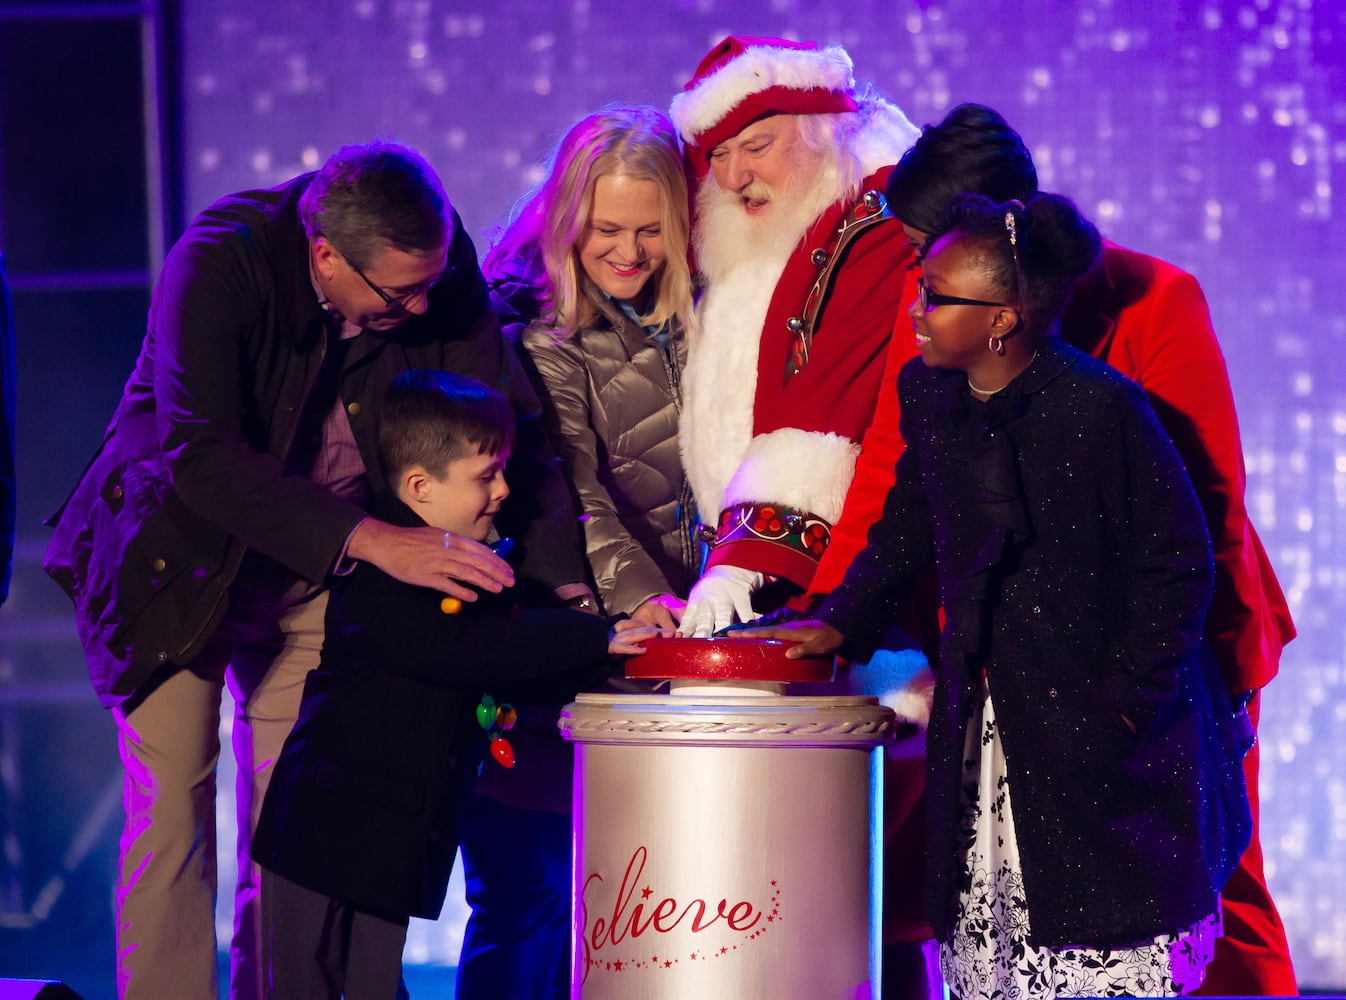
(377, 195)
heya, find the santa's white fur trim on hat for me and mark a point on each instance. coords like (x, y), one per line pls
(886, 135)
(759, 68)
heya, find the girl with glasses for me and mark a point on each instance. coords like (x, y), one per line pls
(1084, 794)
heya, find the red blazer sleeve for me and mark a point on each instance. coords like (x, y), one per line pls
(1162, 338)
(880, 448)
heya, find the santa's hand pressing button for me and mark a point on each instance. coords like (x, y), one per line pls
(721, 597)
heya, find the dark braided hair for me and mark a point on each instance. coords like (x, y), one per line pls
(972, 149)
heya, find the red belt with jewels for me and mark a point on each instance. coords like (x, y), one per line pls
(801, 531)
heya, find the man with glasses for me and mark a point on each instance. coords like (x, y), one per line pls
(230, 489)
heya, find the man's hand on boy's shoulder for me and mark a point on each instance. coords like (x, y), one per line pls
(429, 557)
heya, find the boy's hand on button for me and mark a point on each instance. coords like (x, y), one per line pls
(626, 637)
(811, 637)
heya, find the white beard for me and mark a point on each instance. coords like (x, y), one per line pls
(742, 257)
(727, 237)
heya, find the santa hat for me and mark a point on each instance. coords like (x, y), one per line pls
(744, 79)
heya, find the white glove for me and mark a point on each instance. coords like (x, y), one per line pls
(721, 597)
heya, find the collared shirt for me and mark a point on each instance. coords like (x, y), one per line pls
(337, 462)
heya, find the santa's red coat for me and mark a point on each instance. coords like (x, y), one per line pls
(804, 431)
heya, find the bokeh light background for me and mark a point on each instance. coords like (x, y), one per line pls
(1212, 134)
(1208, 132)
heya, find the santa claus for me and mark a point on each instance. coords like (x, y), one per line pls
(803, 267)
(804, 272)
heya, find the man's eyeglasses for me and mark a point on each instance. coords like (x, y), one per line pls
(928, 298)
(401, 298)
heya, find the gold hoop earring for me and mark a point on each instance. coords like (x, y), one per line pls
(996, 345)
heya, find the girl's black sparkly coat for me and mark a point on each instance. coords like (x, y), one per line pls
(1075, 570)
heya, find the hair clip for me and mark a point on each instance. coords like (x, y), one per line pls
(1012, 227)
(497, 720)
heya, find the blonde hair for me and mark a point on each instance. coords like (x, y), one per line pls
(638, 142)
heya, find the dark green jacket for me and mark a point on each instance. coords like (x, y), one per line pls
(192, 470)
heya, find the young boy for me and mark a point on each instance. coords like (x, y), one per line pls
(361, 821)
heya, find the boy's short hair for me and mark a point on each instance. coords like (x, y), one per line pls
(432, 418)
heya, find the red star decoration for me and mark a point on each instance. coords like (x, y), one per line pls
(668, 965)
(723, 950)
(693, 956)
(617, 965)
(646, 892)
(773, 882)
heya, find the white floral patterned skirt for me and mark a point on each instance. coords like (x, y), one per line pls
(989, 955)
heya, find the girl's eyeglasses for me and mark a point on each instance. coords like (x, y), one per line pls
(929, 298)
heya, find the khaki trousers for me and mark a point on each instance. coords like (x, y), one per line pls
(170, 746)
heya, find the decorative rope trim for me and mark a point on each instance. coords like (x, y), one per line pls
(880, 729)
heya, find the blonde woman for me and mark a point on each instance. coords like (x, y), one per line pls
(591, 281)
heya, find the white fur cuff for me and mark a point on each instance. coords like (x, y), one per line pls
(807, 470)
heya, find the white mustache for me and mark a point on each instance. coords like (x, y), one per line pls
(757, 191)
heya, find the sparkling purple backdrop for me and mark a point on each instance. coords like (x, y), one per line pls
(1209, 133)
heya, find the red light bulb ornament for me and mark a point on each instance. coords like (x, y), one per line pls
(502, 751)
(495, 720)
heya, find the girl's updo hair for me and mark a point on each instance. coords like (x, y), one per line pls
(1054, 245)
